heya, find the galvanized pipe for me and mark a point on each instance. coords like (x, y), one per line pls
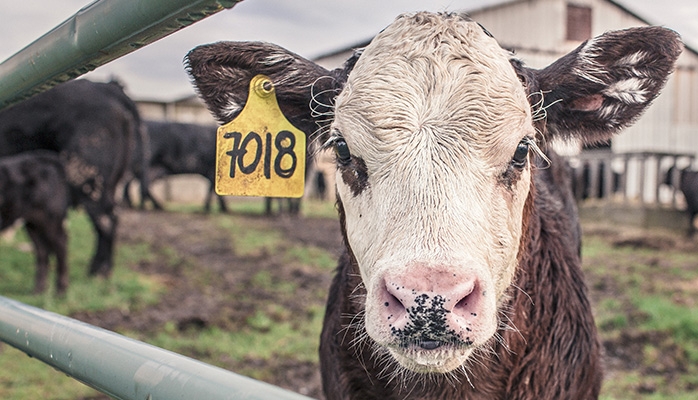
(121, 367)
(100, 32)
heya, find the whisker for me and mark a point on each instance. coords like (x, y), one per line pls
(538, 110)
(467, 377)
(538, 151)
(524, 292)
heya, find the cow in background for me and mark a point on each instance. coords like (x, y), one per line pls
(33, 187)
(92, 126)
(177, 148)
(688, 184)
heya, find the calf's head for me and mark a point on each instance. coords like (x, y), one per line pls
(436, 131)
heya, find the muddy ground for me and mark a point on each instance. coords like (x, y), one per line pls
(190, 305)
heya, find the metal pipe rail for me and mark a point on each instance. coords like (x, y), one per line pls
(100, 32)
(121, 367)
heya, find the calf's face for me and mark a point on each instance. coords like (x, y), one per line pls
(434, 137)
(433, 131)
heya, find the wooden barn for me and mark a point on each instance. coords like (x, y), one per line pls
(632, 166)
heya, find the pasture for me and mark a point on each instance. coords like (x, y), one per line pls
(247, 293)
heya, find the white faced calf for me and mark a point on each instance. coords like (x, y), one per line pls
(462, 243)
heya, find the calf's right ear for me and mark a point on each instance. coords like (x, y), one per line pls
(305, 91)
(605, 84)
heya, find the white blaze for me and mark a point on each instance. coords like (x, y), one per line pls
(436, 112)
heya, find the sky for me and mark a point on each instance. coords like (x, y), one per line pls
(307, 27)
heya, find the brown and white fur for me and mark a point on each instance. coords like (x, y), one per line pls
(461, 275)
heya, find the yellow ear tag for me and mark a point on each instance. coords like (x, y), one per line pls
(260, 153)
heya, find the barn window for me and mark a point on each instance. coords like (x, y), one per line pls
(578, 22)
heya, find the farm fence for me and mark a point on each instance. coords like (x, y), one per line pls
(113, 364)
(637, 176)
(121, 367)
(97, 34)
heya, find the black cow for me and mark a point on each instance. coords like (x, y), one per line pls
(688, 184)
(93, 128)
(179, 148)
(33, 187)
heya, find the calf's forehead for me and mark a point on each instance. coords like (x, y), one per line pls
(434, 73)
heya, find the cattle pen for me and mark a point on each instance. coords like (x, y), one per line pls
(115, 365)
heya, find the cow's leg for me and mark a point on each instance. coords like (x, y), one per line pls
(58, 240)
(145, 194)
(267, 206)
(41, 253)
(105, 221)
(691, 224)
(294, 206)
(127, 196)
(223, 205)
(221, 201)
(145, 191)
(151, 176)
(209, 196)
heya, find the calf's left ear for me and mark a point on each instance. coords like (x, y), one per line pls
(222, 73)
(604, 85)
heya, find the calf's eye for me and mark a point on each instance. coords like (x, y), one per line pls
(342, 151)
(521, 154)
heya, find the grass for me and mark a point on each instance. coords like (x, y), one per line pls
(272, 333)
(645, 303)
(678, 321)
(22, 377)
(646, 306)
(262, 338)
(255, 206)
(124, 290)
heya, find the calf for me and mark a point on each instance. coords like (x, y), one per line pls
(178, 148)
(33, 187)
(461, 274)
(93, 127)
(688, 184)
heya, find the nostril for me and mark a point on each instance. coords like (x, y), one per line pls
(463, 303)
(391, 296)
(430, 344)
(467, 298)
(391, 300)
(393, 308)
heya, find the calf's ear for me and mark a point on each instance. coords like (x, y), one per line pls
(305, 91)
(604, 85)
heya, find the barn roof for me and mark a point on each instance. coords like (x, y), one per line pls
(502, 4)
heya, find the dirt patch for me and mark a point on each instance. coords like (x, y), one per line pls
(645, 266)
(638, 238)
(195, 259)
(205, 271)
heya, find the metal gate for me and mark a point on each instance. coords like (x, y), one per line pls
(118, 366)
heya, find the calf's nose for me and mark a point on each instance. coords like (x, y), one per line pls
(429, 308)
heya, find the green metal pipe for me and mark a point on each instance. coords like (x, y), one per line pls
(100, 32)
(121, 367)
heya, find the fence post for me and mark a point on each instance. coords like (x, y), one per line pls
(121, 367)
